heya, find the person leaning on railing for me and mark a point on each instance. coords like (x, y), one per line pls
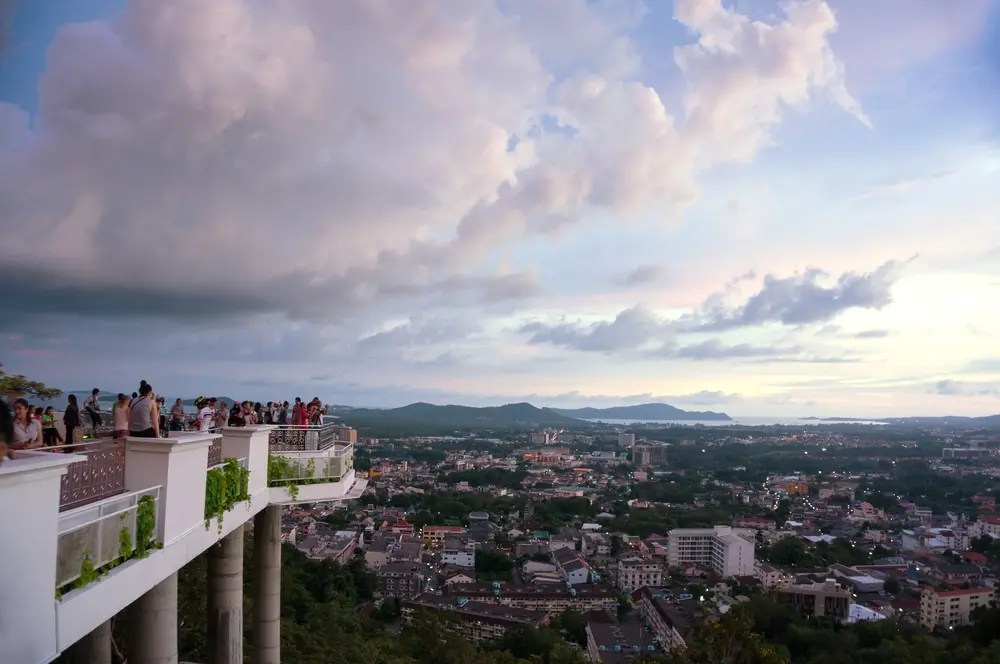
(27, 430)
(6, 429)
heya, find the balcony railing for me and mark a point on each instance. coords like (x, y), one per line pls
(101, 475)
(310, 467)
(215, 453)
(300, 438)
(99, 536)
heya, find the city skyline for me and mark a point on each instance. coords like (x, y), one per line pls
(742, 207)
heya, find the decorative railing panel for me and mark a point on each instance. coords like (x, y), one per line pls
(302, 438)
(215, 453)
(100, 476)
(312, 467)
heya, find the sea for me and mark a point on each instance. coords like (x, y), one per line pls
(736, 421)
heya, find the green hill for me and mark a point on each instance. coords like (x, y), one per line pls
(650, 412)
(460, 417)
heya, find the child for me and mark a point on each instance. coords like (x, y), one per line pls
(50, 434)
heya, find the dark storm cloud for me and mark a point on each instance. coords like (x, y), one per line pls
(802, 299)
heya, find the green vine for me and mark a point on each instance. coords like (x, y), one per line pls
(145, 521)
(284, 472)
(145, 526)
(225, 486)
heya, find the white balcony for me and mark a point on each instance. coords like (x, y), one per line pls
(99, 527)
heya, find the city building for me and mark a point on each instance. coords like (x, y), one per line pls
(965, 453)
(437, 534)
(726, 550)
(573, 568)
(669, 620)
(649, 454)
(475, 621)
(626, 439)
(402, 579)
(635, 572)
(948, 608)
(818, 599)
(457, 553)
(550, 598)
(154, 491)
(611, 642)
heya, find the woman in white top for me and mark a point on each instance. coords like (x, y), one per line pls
(27, 430)
(205, 416)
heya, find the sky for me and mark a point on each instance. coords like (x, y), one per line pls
(746, 206)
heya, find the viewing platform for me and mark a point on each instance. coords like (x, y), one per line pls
(102, 527)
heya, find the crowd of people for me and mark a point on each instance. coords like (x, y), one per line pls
(145, 415)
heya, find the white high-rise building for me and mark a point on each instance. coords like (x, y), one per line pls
(728, 551)
(626, 439)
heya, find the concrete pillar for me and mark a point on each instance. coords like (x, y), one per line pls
(95, 648)
(225, 600)
(152, 625)
(267, 586)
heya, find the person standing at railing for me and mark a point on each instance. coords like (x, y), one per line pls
(6, 429)
(92, 406)
(221, 417)
(119, 415)
(71, 419)
(206, 413)
(282, 418)
(177, 416)
(50, 434)
(27, 430)
(236, 418)
(144, 415)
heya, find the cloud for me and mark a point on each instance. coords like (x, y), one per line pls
(715, 349)
(643, 275)
(836, 331)
(802, 299)
(898, 187)
(950, 387)
(630, 330)
(322, 160)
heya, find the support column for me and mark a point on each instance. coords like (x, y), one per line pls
(225, 600)
(152, 625)
(267, 586)
(95, 648)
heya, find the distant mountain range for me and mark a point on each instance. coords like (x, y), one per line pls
(647, 412)
(514, 414)
(509, 415)
(108, 397)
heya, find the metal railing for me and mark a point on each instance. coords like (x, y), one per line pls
(215, 453)
(291, 438)
(101, 533)
(101, 475)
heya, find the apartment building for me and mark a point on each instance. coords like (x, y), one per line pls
(573, 568)
(947, 608)
(475, 621)
(818, 599)
(457, 552)
(399, 580)
(668, 619)
(438, 534)
(728, 551)
(550, 598)
(649, 454)
(635, 572)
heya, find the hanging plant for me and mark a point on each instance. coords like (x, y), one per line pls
(225, 486)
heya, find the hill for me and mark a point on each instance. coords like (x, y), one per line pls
(509, 415)
(647, 412)
(107, 398)
(930, 421)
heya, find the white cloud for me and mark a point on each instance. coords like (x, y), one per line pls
(320, 158)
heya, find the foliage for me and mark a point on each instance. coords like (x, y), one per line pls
(20, 386)
(145, 525)
(510, 479)
(225, 486)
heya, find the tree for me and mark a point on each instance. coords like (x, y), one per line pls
(17, 385)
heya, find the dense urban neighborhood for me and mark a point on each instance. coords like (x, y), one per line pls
(637, 541)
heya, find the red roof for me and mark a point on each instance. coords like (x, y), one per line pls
(974, 557)
(963, 591)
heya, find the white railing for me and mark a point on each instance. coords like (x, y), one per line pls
(330, 464)
(101, 533)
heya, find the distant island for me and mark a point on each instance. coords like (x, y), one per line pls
(651, 412)
(942, 420)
